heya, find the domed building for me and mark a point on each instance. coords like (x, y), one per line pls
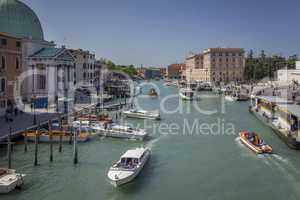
(18, 20)
(51, 68)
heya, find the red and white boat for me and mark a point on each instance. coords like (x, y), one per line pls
(254, 142)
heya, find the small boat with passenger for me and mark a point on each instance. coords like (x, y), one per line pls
(129, 166)
(153, 93)
(254, 142)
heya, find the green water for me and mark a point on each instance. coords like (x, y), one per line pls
(199, 165)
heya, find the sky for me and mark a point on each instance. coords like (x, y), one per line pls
(161, 32)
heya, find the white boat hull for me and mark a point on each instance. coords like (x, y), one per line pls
(183, 97)
(119, 134)
(118, 182)
(140, 116)
(10, 182)
(230, 98)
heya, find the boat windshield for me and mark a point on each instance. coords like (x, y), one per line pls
(128, 163)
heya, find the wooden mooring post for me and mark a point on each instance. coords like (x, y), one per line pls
(75, 151)
(9, 148)
(60, 136)
(25, 141)
(36, 141)
(51, 140)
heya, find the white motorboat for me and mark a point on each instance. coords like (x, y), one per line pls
(10, 180)
(187, 94)
(118, 131)
(230, 98)
(237, 97)
(129, 166)
(142, 114)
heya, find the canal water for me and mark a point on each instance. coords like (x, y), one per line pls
(195, 155)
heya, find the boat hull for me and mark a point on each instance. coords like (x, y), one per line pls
(10, 182)
(140, 116)
(117, 134)
(186, 98)
(123, 181)
(256, 149)
(291, 142)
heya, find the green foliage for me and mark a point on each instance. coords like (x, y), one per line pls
(257, 68)
(130, 69)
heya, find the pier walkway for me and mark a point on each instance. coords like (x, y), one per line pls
(24, 121)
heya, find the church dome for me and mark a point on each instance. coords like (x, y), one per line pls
(17, 19)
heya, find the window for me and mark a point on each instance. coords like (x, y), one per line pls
(17, 63)
(4, 42)
(18, 44)
(3, 62)
(233, 54)
(2, 85)
(42, 82)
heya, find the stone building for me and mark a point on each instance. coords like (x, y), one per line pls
(217, 65)
(38, 55)
(10, 69)
(176, 71)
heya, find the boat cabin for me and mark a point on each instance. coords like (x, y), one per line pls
(267, 104)
(289, 117)
(132, 158)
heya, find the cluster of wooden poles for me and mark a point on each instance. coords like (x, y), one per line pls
(73, 138)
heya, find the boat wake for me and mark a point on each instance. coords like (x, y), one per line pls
(280, 158)
(153, 143)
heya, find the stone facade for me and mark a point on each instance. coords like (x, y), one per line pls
(10, 69)
(176, 71)
(216, 65)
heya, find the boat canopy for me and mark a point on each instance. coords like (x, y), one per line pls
(134, 153)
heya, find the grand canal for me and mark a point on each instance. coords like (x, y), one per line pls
(207, 162)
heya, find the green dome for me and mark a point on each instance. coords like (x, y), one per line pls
(17, 19)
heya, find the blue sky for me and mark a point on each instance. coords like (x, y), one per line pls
(160, 32)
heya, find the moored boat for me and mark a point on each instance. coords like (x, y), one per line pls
(10, 180)
(153, 93)
(186, 94)
(57, 135)
(129, 166)
(254, 142)
(118, 131)
(142, 114)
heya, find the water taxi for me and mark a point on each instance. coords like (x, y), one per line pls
(129, 166)
(254, 142)
(10, 180)
(153, 93)
(118, 131)
(142, 114)
(187, 94)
